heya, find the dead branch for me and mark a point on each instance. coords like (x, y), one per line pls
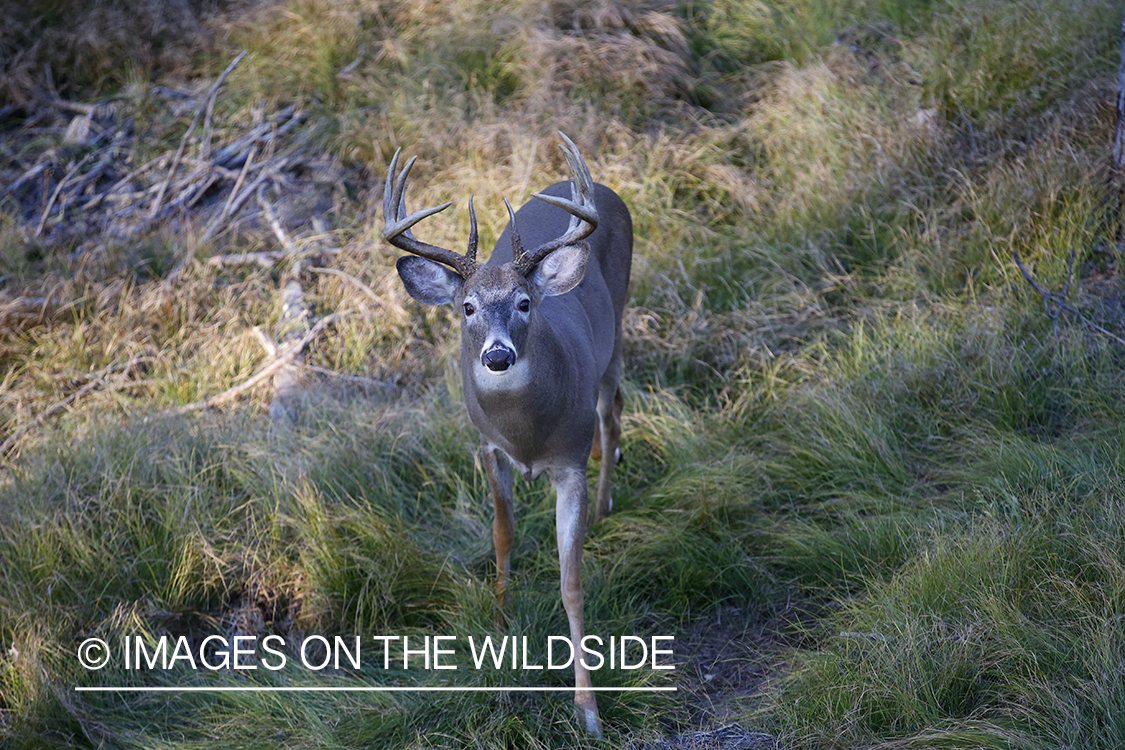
(238, 182)
(157, 162)
(250, 189)
(362, 52)
(208, 103)
(129, 199)
(1060, 302)
(264, 134)
(21, 312)
(375, 298)
(29, 175)
(54, 196)
(358, 379)
(201, 189)
(96, 381)
(265, 341)
(267, 258)
(274, 222)
(284, 357)
(293, 324)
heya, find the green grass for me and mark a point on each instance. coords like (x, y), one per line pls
(848, 418)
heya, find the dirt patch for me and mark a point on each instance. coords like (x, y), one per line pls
(725, 664)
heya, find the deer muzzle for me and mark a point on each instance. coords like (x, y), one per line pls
(498, 358)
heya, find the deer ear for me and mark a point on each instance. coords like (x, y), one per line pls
(428, 282)
(562, 270)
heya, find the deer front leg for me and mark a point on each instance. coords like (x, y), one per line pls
(570, 529)
(500, 481)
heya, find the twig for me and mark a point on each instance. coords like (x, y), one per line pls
(1119, 130)
(238, 182)
(55, 194)
(95, 174)
(96, 379)
(274, 222)
(262, 134)
(268, 173)
(80, 108)
(208, 131)
(191, 129)
(353, 281)
(241, 198)
(284, 357)
(1117, 162)
(265, 341)
(211, 178)
(1060, 301)
(353, 378)
(266, 258)
(1069, 272)
(362, 51)
(158, 161)
(29, 174)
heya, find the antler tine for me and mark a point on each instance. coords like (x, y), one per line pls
(583, 212)
(472, 251)
(397, 225)
(517, 243)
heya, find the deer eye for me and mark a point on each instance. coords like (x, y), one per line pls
(524, 305)
(469, 309)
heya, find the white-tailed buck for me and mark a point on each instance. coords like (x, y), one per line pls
(540, 354)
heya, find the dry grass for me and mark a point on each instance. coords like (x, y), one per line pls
(76, 48)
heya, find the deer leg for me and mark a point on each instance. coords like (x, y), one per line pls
(607, 441)
(500, 481)
(570, 529)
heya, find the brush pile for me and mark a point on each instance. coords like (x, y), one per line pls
(98, 185)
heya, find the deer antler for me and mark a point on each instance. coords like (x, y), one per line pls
(396, 230)
(583, 212)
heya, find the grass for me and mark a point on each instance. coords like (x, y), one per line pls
(848, 418)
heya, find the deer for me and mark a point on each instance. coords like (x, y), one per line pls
(540, 356)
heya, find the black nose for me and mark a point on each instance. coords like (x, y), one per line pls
(498, 358)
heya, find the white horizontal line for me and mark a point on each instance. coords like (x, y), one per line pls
(391, 689)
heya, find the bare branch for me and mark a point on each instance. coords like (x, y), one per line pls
(208, 104)
(354, 282)
(267, 258)
(250, 189)
(265, 341)
(274, 222)
(359, 379)
(238, 183)
(284, 357)
(96, 381)
(1060, 301)
(54, 196)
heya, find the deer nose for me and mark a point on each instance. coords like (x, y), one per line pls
(498, 358)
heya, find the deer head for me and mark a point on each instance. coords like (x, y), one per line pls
(498, 303)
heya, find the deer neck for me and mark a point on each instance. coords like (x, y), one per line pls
(522, 411)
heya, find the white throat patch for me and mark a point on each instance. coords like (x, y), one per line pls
(514, 378)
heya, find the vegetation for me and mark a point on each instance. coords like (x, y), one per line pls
(851, 426)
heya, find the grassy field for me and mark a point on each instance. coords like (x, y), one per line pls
(873, 484)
